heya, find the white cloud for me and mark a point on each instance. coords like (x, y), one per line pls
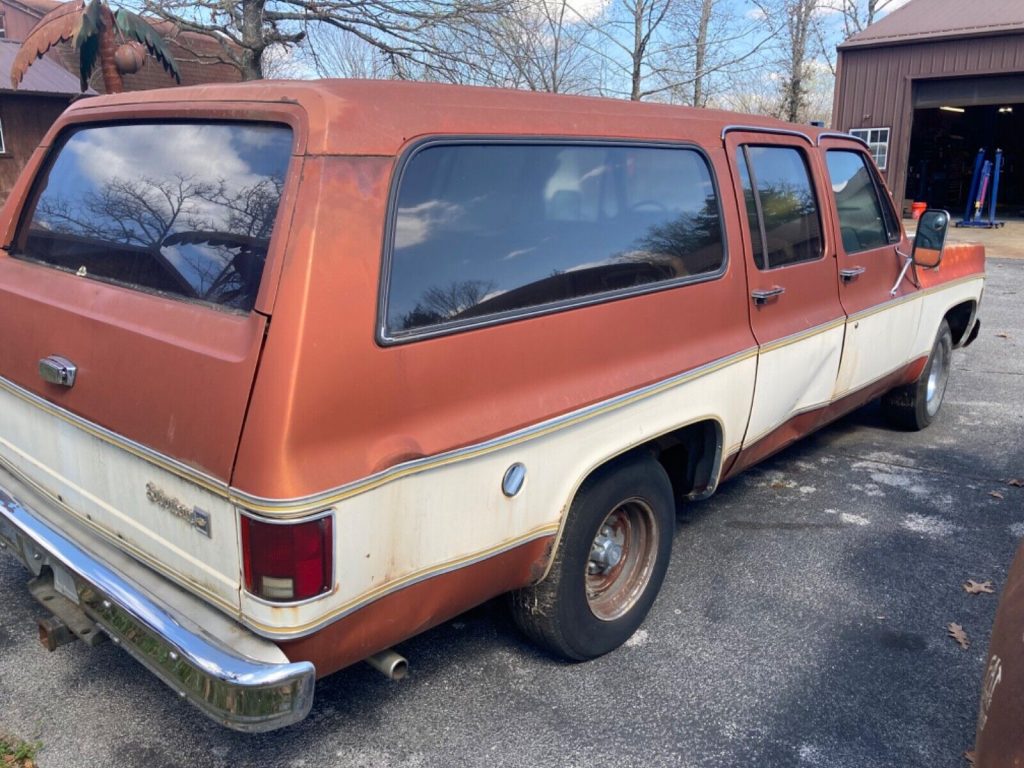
(126, 152)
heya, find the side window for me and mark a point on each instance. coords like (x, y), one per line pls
(488, 230)
(780, 204)
(862, 221)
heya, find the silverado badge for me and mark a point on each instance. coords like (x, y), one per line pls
(194, 516)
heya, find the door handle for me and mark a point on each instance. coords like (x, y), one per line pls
(762, 296)
(58, 370)
(849, 275)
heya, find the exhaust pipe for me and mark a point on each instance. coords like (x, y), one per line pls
(389, 664)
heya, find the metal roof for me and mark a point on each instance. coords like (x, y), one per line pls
(921, 20)
(44, 76)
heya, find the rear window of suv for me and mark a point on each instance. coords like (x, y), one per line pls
(488, 231)
(183, 209)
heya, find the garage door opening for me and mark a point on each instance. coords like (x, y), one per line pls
(955, 118)
(944, 144)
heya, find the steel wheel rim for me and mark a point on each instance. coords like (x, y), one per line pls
(614, 585)
(938, 375)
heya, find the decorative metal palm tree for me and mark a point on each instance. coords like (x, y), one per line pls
(94, 30)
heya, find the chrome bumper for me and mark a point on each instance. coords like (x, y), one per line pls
(236, 691)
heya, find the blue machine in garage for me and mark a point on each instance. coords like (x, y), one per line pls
(986, 174)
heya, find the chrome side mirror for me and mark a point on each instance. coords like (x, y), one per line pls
(930, 238)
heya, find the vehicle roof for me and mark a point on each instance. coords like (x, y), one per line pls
(378, 117)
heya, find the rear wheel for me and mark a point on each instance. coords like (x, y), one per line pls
(916, 405)
(609, 566)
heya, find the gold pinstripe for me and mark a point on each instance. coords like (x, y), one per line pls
(55, 501)
(287, 508)
(267, 630)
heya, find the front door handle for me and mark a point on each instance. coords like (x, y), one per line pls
(849, 275)
(762, 296)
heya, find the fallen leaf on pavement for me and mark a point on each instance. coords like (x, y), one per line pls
(996, 495)
(1015, 482)
(1003, 335)
(973, 587)
(969, 756)
(958, 634)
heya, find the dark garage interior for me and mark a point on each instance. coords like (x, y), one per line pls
(953, 119)
(943, 148)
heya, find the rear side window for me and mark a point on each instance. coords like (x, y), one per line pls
(182, 209)
(781, 203)
(491, 230)
(862, 223)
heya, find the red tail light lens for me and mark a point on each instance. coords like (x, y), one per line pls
(285, 562)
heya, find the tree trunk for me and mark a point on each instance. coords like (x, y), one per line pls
(254, 42)
(637, 62)
(800, 14)
(112, 81)
(700, 52)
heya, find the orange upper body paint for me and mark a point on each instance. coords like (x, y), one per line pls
(330, 403)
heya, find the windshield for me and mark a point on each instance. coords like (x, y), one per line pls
(184, 209)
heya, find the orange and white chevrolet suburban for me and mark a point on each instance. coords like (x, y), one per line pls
(293, 371)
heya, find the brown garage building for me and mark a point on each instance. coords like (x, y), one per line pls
(931, 84)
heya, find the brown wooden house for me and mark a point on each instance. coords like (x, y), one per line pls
(51, 83)
(26, 114)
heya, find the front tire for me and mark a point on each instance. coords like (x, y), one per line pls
(609, 566)
(915, 406)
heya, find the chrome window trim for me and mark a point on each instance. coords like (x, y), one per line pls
(840, 135)
(761, 129)
(385, 338)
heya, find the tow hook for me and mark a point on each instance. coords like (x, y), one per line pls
(68, 622)
(53, 633)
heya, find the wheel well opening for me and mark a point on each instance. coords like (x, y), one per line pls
(690, 456)
(958, 318)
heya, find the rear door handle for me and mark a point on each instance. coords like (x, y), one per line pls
(849, 275)
(762, 296)
(58, 370)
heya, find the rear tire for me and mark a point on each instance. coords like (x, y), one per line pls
(915, 406)
(609, 565)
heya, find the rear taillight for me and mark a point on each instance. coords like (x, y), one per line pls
(285, 562)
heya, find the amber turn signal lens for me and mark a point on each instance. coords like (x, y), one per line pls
(285, 562)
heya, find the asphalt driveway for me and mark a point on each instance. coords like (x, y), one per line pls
(802, 623)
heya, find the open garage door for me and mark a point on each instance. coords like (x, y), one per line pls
(953, 119)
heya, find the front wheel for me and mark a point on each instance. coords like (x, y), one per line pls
(916, 405)
(609, 566)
